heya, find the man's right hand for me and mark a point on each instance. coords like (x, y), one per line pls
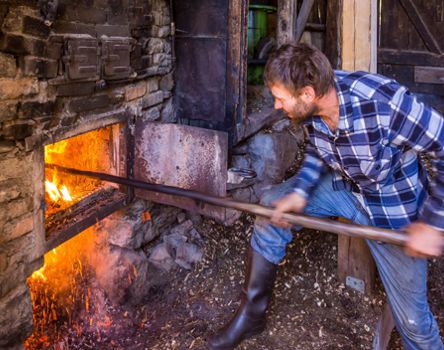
(292, 202)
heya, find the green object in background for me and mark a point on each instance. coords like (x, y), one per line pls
(257, 30)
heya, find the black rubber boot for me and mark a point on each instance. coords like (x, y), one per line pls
(250, 316)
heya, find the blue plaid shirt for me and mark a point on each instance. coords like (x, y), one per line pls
(374, 151)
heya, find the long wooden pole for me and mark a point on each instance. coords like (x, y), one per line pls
(340, 228)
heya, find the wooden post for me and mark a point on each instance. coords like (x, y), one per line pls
(287, 15)
(356, 267)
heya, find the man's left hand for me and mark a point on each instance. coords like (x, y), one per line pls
(424, 241)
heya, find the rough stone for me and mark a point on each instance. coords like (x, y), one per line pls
(154, 45)
(152, 114)
(183, 228)
(270, 155)
(35, 27)
(152, 84)
(168, 113)
(35, 109)
(87, 104)
(17, 130)
(8, 67)
(161, 257)
(164, 31)
(11, 89)
(8, 110)
(39, 67)
(15, 318)
(113, 30)
(17, 227)
(17, 44)
(126, 228)
(152, 99)
(187, 254)
(167, 82)
(135, 91)
(15, 208)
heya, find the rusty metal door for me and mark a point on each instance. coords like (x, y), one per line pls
(208, 63)
(411, 46)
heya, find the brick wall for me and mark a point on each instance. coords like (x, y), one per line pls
(90, 58)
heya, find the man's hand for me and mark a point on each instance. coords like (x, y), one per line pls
(424, 241)
(293, 202)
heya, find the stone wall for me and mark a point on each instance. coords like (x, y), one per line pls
(65, 65)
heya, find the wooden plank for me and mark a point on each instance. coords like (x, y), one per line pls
(236, 68)
(420, 58)
(405, 75)
(430, 75)
(355, 260)
(287, 14)
(333, 34)
(356, 35)
(384, 329)
(420, 25)
(301, 20)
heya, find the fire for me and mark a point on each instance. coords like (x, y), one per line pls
(90, 151)
(55, 194)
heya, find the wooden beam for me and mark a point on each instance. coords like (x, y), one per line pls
(301, 20)
(333, 39)
(287, 14)
(356, 31)
(420, 25)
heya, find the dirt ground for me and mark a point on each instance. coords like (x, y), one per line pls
(310, 308)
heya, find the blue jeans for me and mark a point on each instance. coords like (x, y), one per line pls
(404, 278)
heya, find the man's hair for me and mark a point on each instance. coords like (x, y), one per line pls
(295, 66)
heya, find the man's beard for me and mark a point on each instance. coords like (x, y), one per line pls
(302, 113)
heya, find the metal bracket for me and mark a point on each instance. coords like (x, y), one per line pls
(355, 283)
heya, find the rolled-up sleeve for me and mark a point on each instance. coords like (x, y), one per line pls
(309, 173)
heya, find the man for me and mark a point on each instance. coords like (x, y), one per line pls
(365, 133)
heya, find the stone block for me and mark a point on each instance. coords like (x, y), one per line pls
(82, 14)
(151, 114)
(39, 67)
(9, 190)
(168, 113)
(152, 84)
(164, 31)
(152, 99)
(34, 109)
(15, 168)
(8, 110)
(7, 146)
(20, 45)
(161, 19)
(15, 318)
(35, 27)
(8, 67)
(17, 130)
(110, 30)
(64, 27)
(135, 91)
(167, 82)
(154, 45)
(76, 89)
(15, 209)
(87, 104)
(17, 228)
(11, 89)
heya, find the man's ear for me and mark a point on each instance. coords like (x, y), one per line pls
(308, 94)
